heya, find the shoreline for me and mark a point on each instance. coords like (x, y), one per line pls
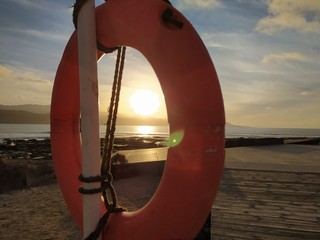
(40, 149)
(28, 163)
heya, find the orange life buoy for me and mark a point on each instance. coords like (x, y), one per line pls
(194, 106)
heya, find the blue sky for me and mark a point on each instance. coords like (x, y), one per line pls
(266, 53)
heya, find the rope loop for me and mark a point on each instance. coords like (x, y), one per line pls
(105, 49)
(76, 9)
(90, 191)
(89, 179)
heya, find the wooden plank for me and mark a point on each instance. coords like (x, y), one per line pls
(269, 221)
(267, 205)
(288, 216)
(228, 231)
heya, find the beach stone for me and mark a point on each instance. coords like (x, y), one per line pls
(26, 148)
(40, 173)
(22, 173)
(12, 175)
(243, 142)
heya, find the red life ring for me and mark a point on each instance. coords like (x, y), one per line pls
(194, 106)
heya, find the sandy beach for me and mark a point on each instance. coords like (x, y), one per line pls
(267, 192)
(41, 213)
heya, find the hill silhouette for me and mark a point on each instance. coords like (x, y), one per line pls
(23, 117)
(41, 115)
(32, 108)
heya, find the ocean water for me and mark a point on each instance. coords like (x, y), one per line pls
(41, 131)
(250, 132)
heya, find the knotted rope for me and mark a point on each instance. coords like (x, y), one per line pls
(108, 192)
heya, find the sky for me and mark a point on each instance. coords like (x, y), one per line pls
(266, 53)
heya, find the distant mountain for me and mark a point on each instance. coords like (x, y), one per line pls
(32, 108)
(232, 125)
(40, 114)
(23, 117)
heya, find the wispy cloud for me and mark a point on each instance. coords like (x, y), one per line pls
(277, 58)
(47, 6)
(29, 4)
(306, 93)
(303, 16)
(274, 103)
(4, 72)
(23, 85)
(202, 4)
(39, 34)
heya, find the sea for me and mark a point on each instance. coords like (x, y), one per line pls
(42, 131)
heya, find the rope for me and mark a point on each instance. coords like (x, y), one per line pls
(90, 179)
(108, 192)
(113, 108)
(110, 130)
(105, 49)
(76, 9)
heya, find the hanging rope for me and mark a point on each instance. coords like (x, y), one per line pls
(76, 9)
(106, 189)
(110, 129)
(108, 192)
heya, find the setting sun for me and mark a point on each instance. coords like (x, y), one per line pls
(144, 102)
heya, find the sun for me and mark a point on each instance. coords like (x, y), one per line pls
(144, 102)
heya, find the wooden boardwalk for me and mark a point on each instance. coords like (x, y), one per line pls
(266, 205)
(267, 192)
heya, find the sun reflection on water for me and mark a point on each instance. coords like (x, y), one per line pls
(146, 130)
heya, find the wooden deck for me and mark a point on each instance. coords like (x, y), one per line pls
(267, 192)
(266, 205)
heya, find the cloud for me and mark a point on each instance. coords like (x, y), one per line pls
(4, 72)
(53, 36)
(302, 16)
(28, 4)
(284, 57)
(306, 93)
(274, 104)
(47, 6)
(203, 4)
(39, 34)
(23, 85)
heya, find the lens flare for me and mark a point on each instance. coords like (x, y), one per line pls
(175, 138)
